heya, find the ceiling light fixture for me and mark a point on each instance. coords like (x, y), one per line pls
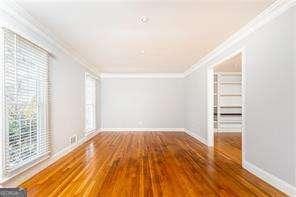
(144, 19)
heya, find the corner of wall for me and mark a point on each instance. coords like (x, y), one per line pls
(196, 136)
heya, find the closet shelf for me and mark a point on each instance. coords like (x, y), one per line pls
(230, 121)
(230, 114)
(231, 83)
(231, 106)
(227, 97)
(231, 74)
(230, 95)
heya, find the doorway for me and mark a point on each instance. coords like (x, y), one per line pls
(226, 107)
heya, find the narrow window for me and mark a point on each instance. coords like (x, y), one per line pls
(90, 103)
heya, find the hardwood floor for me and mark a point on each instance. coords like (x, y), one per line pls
(146, 164)
(230, 145)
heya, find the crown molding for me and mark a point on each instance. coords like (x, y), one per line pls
(273, 11)
(142, 75)
(21, 15)
(12, 9)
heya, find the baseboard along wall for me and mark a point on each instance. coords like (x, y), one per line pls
(29, 173)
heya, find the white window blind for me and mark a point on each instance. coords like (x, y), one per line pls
(90, 102)
(25, 102)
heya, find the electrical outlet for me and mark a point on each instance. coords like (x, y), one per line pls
(140, 123)
(73, 139)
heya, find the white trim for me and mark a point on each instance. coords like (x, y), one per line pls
(2, 103)
(11, 8)
(274, 10)
(271, 179)
(231, 55)
(243, 96)
(92, 76)
(88, 75)
(142, 75)
(19, 179)
(196, 136)
(210, 96)
(210, 106)
(144, 129)
(29, 165)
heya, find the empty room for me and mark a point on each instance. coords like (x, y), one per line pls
(147, 98)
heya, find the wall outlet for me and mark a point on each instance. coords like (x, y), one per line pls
(140, 123)
(73, 139)
(83, 134)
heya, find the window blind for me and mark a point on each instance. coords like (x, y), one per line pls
(25, 102)
(90, 102)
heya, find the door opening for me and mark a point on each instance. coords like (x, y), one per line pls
(225, 98)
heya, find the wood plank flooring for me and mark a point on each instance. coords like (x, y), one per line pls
(169, 164)
(230, 145)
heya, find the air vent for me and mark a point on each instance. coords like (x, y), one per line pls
(73, 139)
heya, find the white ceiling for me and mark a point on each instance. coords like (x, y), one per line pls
(233, 64)
(110, 35)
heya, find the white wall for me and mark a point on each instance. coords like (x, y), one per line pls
(269, 115)
(196, 102)
(67, 92)
(269, 135)
(67, 100)
(156, 102)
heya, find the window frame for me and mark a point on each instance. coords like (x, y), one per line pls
(5, 176)
(2, 104)
(89, 75)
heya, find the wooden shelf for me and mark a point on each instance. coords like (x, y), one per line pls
(230, 121)
(231, 83)
(234, 106)
(230, 95)
(230, 114)
(227, 95)
(231, 74)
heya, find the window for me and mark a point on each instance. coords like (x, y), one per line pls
(24, 106)
(90, 103)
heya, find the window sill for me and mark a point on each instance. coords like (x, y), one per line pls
(90, 130)
(24, 168)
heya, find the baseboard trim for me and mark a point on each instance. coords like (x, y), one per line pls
(144, 129)
(271, 179)
(202, 140)
(21, 178)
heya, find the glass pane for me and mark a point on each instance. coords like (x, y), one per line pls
(25, 85)
(90, 103)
